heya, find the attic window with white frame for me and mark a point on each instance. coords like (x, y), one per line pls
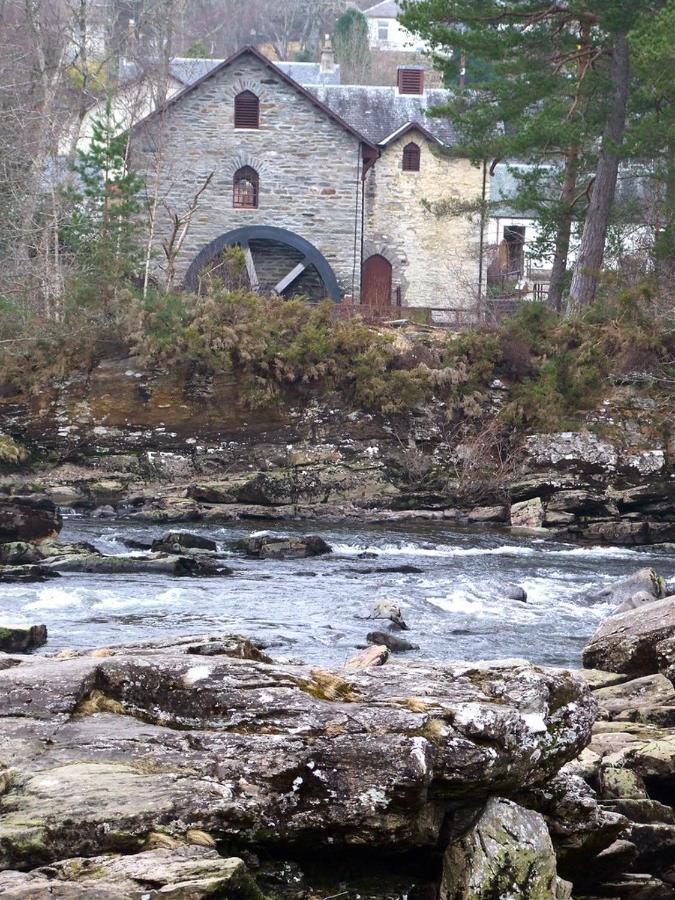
(382, 30)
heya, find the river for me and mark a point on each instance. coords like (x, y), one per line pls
(311, 610)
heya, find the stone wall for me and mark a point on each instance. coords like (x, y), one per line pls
(309, 166)
(434, 258)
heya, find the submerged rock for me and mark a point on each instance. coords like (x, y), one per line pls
(188, 872)
(21, 639)
(161, 564)
(266, 546)
(390, 641)
(28, 518)
(104, 751)
(179, 541)
(514, 592)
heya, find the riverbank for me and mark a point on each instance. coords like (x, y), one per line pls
(212, 762)
(160, 446)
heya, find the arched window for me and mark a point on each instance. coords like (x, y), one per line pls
(411, 157)
(246, 110)
(245, 188)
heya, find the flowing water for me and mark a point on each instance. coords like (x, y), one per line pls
(311, 609)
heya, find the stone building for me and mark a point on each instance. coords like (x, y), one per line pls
(332, 190)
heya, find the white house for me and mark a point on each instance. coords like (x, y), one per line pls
(385, 32)
(513, 266)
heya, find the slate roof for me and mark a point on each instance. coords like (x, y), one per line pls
(378, 111)
(373, 111)
(187, 70)
(634, 191)
(387, 9)
(309, 73)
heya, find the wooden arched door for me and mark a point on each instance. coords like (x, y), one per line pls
(376, 281)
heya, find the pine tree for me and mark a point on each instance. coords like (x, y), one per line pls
(651, 134)
(104, 228)
(561, 78)
(535, 104)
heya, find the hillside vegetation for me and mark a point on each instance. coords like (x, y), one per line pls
(556, 367)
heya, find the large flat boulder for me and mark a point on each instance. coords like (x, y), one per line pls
(101, 750)
(627, 642)
(269, 546)
(191, 873)
(28, 518)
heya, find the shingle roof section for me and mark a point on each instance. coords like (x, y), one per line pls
(188, 70)
(387, 9)
(309, 73)
(377, 111)
(634, 190)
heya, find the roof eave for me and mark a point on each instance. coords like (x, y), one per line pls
(405, 129)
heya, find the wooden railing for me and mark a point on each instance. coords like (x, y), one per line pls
(445, 317)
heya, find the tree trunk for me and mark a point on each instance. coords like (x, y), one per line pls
(664, 245)
(592, 249)
(564, 232)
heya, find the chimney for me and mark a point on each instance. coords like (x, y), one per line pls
(410, 79)
(327, 56)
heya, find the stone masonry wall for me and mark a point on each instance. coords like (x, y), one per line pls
(309, 166)
(434, 258)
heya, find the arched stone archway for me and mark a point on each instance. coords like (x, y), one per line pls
(305, 256)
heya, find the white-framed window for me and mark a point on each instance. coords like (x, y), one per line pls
(382, 30)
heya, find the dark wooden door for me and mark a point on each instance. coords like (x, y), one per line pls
(376, 281)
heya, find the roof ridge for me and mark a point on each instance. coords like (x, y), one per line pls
(253, 51)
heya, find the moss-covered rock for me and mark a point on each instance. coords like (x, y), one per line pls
(19, 639)
(507, 854)
(12, 453)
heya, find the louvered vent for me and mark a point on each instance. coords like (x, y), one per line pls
(411, 81)
(246, 110)
(411, 158)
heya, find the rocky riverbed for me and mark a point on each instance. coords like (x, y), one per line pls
(465, 593)
(206, 765)
(356, 743)
(198, 766)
